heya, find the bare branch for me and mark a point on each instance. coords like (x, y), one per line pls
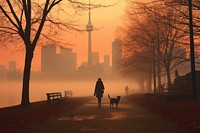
(9, 18)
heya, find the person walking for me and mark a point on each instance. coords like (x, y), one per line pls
(126, 90)
(99, 90)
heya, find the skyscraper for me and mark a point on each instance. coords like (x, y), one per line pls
(13, 73)
(95, 58)
(116, 53)
(68, 61)
(89, 28)
(58, 63)
(48, 59)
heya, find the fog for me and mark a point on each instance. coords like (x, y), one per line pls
(10, 91)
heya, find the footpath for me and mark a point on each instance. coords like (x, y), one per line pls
(89, 118)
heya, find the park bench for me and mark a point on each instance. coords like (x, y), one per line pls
(55, 97)
(162, 89)
(68, 93)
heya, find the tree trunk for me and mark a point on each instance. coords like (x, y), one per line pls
(159, 72)
(169, 80)
(149, 82)
(26, 77)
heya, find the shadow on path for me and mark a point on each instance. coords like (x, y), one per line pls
(89, 118)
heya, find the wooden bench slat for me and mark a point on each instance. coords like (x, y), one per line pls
(68, 93)
(54, 97)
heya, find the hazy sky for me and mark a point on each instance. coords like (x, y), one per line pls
(106, 18)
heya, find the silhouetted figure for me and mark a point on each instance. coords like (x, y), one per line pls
(126, 90)
(99, 90)
(176, 74)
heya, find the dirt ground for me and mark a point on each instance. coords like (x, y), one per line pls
(137, 112)
(89, 118)
(185, 113)
(15, 119)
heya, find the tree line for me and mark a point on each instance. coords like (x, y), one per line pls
(152, 35)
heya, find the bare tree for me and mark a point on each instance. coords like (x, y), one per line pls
(137, 48)
(155, 28)
(184, 4)
(24, 20)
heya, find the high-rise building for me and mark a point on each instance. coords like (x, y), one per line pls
(61, 63)
(68, 60)
(13, 73)
(95, 58)
(89, 28)
(49, 62)
(116, 54)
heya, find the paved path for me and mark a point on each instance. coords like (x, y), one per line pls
(129, 118)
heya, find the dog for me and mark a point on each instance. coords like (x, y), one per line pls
(114, 101)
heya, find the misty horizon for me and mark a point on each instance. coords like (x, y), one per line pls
(38, 89)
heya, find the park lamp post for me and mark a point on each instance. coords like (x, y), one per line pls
(193, 76)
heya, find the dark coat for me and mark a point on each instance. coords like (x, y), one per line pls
(99, 89)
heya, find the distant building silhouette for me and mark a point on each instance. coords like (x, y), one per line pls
(95, 58)
(13, 73)
(97, 69)
(62, 63)
(89, 28)
(48, 59)
(116, 54)
(83, 66)
(92, 67)
(69, 61)
(92, 71)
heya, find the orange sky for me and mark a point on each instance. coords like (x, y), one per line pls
(108, 18)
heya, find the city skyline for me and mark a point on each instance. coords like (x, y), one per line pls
(102, 38)
(50, 51)
(57, 50)
(63, 62)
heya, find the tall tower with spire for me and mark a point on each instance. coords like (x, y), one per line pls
(89, 28)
